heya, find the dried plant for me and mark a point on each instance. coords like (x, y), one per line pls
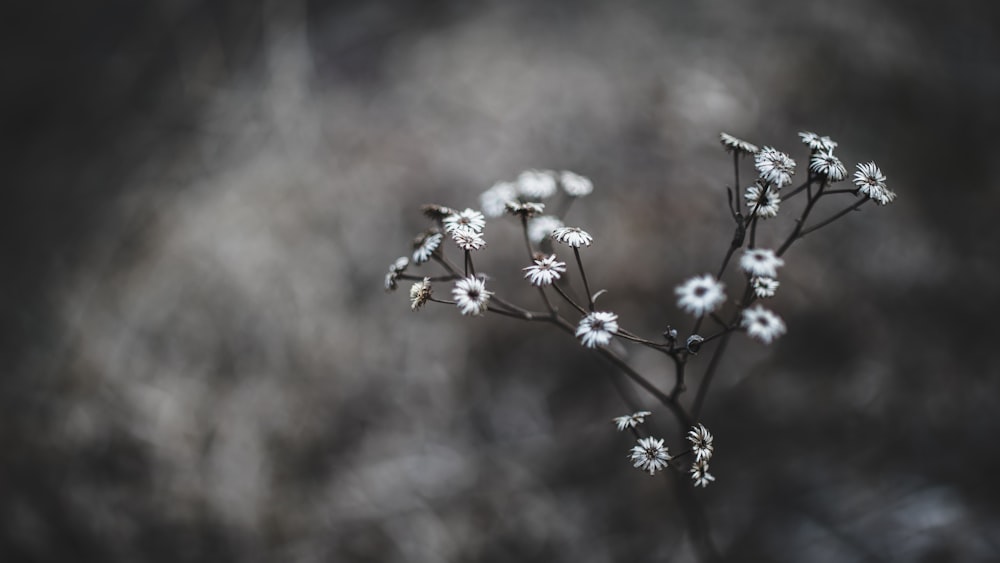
(717, 315)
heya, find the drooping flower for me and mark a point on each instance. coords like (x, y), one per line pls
(764, 208)
(541, 227)
(817, 143)
(597, 328)
(545, 271)
(630, 420)
(420, 292)
(572, 236)
(700, 475)
(395, 269)
(436, 212)
(762, 324)
(700, 295)
(774, 166)
(825, 164)
(871, 182)
(575, 185)
(764, 286)
(650, 455)
(469, 219)
(425, 245)
(471, 295)
(494, 200)
(762, 262)
(701, 442)
(731, 144)
(536, 184)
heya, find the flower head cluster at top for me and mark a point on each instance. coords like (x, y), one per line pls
(716, 304)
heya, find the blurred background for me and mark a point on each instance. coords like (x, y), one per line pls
(202, 198)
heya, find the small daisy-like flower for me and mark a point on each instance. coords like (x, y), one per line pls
(764, 286)
(817, 143)
(871, 182)
(469, 219)
(471, 296)
(494, 200)
(700, 474)
(572, 236)
(731, 144)
(467, 239)
(574, 184)
(766, 207)
(825, 164)
(529, 209)
(774, 166)
(425, 245)
(597, 328)
(436, 212)
(761, 262)
(541, 227)
(420, 292)
(701, 442)
(763, 324)
(545, 271)
(650, 455)
(700, 295)
(396, 268)
(536, 184)
(630, 420)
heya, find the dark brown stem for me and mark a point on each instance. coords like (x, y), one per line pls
(583, 275)
(833, 218)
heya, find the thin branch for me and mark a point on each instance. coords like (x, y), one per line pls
(583, 274)
(833, 218)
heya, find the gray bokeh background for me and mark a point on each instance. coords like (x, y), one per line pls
(202, 198)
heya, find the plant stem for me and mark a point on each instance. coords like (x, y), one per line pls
(833, 218)
(583, 275)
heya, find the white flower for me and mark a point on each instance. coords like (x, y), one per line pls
(762, 324)
(701, 442)
(541, 227)
(817, 143)
(871, 182)
(572, 236)
(424, 246)
(469, 219)
(630, 420)
(545, 271)
(768, 207)
(774, 166)
(597, 328)
(471, 296)
(764, 286)
(731, 144)
(420, 292)
(700, 295)
(467, 238)
(536, 184)
(575, 184)
(761, 262)
(396, 268)
(826, 164)
(650, 455)
(700, 474)
(528, 209)
(494, 200)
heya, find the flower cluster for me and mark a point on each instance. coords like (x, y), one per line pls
(537, 201)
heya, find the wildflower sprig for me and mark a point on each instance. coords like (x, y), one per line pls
(718, 304)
